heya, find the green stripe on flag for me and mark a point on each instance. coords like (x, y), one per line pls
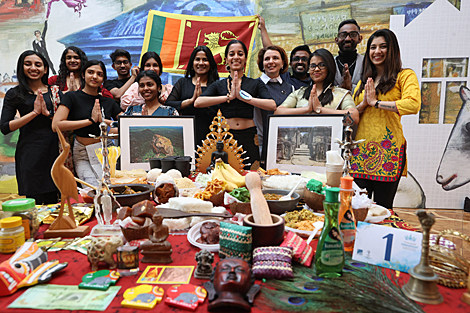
(156, 36)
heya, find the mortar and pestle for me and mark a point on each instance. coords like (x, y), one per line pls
(267, 228)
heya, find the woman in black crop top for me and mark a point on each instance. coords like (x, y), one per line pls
(235, 108)
(80, 111)
(37, 146)
(200, 73)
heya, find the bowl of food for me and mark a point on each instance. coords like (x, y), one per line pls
(129, 194)
(277, 206)
(205, 235)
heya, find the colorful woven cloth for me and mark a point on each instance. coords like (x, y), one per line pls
(235, 241)
(273, 262)
(303, 253)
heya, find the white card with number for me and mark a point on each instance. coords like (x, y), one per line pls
(389, 247)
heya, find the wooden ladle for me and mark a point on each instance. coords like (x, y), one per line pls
(259, 205)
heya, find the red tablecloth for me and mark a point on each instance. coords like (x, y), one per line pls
(183, 254)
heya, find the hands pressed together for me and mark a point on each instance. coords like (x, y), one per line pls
(40, 105)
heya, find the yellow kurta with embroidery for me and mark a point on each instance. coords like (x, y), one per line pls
(382, 156)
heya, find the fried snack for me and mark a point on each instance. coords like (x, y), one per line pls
(276, 171)
(136, 173)
(213, 187)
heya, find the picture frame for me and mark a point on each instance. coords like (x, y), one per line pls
(144, 137)
(299, 143)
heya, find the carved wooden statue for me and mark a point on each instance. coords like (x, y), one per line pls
(157, 250)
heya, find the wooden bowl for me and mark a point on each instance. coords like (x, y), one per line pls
(218, 199)
(313, 200)
(266, 235)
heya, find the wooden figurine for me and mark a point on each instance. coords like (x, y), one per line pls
(99, 280)
(204, 264)
(102, 249)
(232, 284)
(142, 297)
(158, 249)
(185, 296)
(64, 226)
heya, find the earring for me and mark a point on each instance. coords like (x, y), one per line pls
(227, 67)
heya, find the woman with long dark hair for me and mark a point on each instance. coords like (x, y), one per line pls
(81, 111)
(150, 61)
(37, 146)
(150, 88)
(200, 73)
(237, 96)
(385, 93)
(72, 61)
(321, 97)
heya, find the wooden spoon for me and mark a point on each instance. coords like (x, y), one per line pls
(170, 213)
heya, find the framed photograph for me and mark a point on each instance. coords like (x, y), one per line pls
(145, 137)
(299, 143)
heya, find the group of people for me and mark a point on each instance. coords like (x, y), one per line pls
(373, 88)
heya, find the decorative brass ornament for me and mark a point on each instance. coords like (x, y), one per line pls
(219, 130)
(422, 286)
(451, 267)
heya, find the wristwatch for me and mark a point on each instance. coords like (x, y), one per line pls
(377, 104)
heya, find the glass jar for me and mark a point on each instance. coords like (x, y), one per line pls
(26, 209)
(11, 234)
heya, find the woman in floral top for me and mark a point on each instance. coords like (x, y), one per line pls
(388, 93)
(150, 88)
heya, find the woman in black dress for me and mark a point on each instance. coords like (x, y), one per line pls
(237, 96)
(37, 146)
(200, 73)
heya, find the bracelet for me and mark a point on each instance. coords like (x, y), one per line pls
(228, 98)
(91, 120)
(377, 104)
(36, 113)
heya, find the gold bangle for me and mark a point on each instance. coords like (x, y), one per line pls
(228, 98)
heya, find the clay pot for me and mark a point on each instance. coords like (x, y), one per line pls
(313, 200)
(266, 235)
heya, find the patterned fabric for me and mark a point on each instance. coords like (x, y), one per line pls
(235, 241)
(303, 253)
(273, 262)
(67, 134)
(382, 156)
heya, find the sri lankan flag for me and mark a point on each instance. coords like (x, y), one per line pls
(174, 37)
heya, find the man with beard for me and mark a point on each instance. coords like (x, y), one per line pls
(298, 60)
(348, 60)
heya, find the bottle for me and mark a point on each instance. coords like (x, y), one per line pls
(329, 258)
(347, 222)
(11, 234)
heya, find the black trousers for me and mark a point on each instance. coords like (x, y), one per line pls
(384, 192)
(46, 198)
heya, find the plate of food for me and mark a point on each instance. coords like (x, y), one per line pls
(377, 214)
(301, 222)
(205, 235)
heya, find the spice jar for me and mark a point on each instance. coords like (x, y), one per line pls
(11, 234)
(26, 209)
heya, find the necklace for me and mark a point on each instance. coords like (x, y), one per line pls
(342, 65)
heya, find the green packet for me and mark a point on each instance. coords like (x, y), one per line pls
(315, 186)
(242, 194)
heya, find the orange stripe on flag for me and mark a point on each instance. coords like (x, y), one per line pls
(170, 42)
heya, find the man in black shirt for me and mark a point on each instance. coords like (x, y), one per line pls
(348, 60)
(126, 77)
(298, 60)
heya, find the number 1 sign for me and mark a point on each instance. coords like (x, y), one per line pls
(384, 246)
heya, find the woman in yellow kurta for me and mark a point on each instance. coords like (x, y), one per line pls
(389, 92)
